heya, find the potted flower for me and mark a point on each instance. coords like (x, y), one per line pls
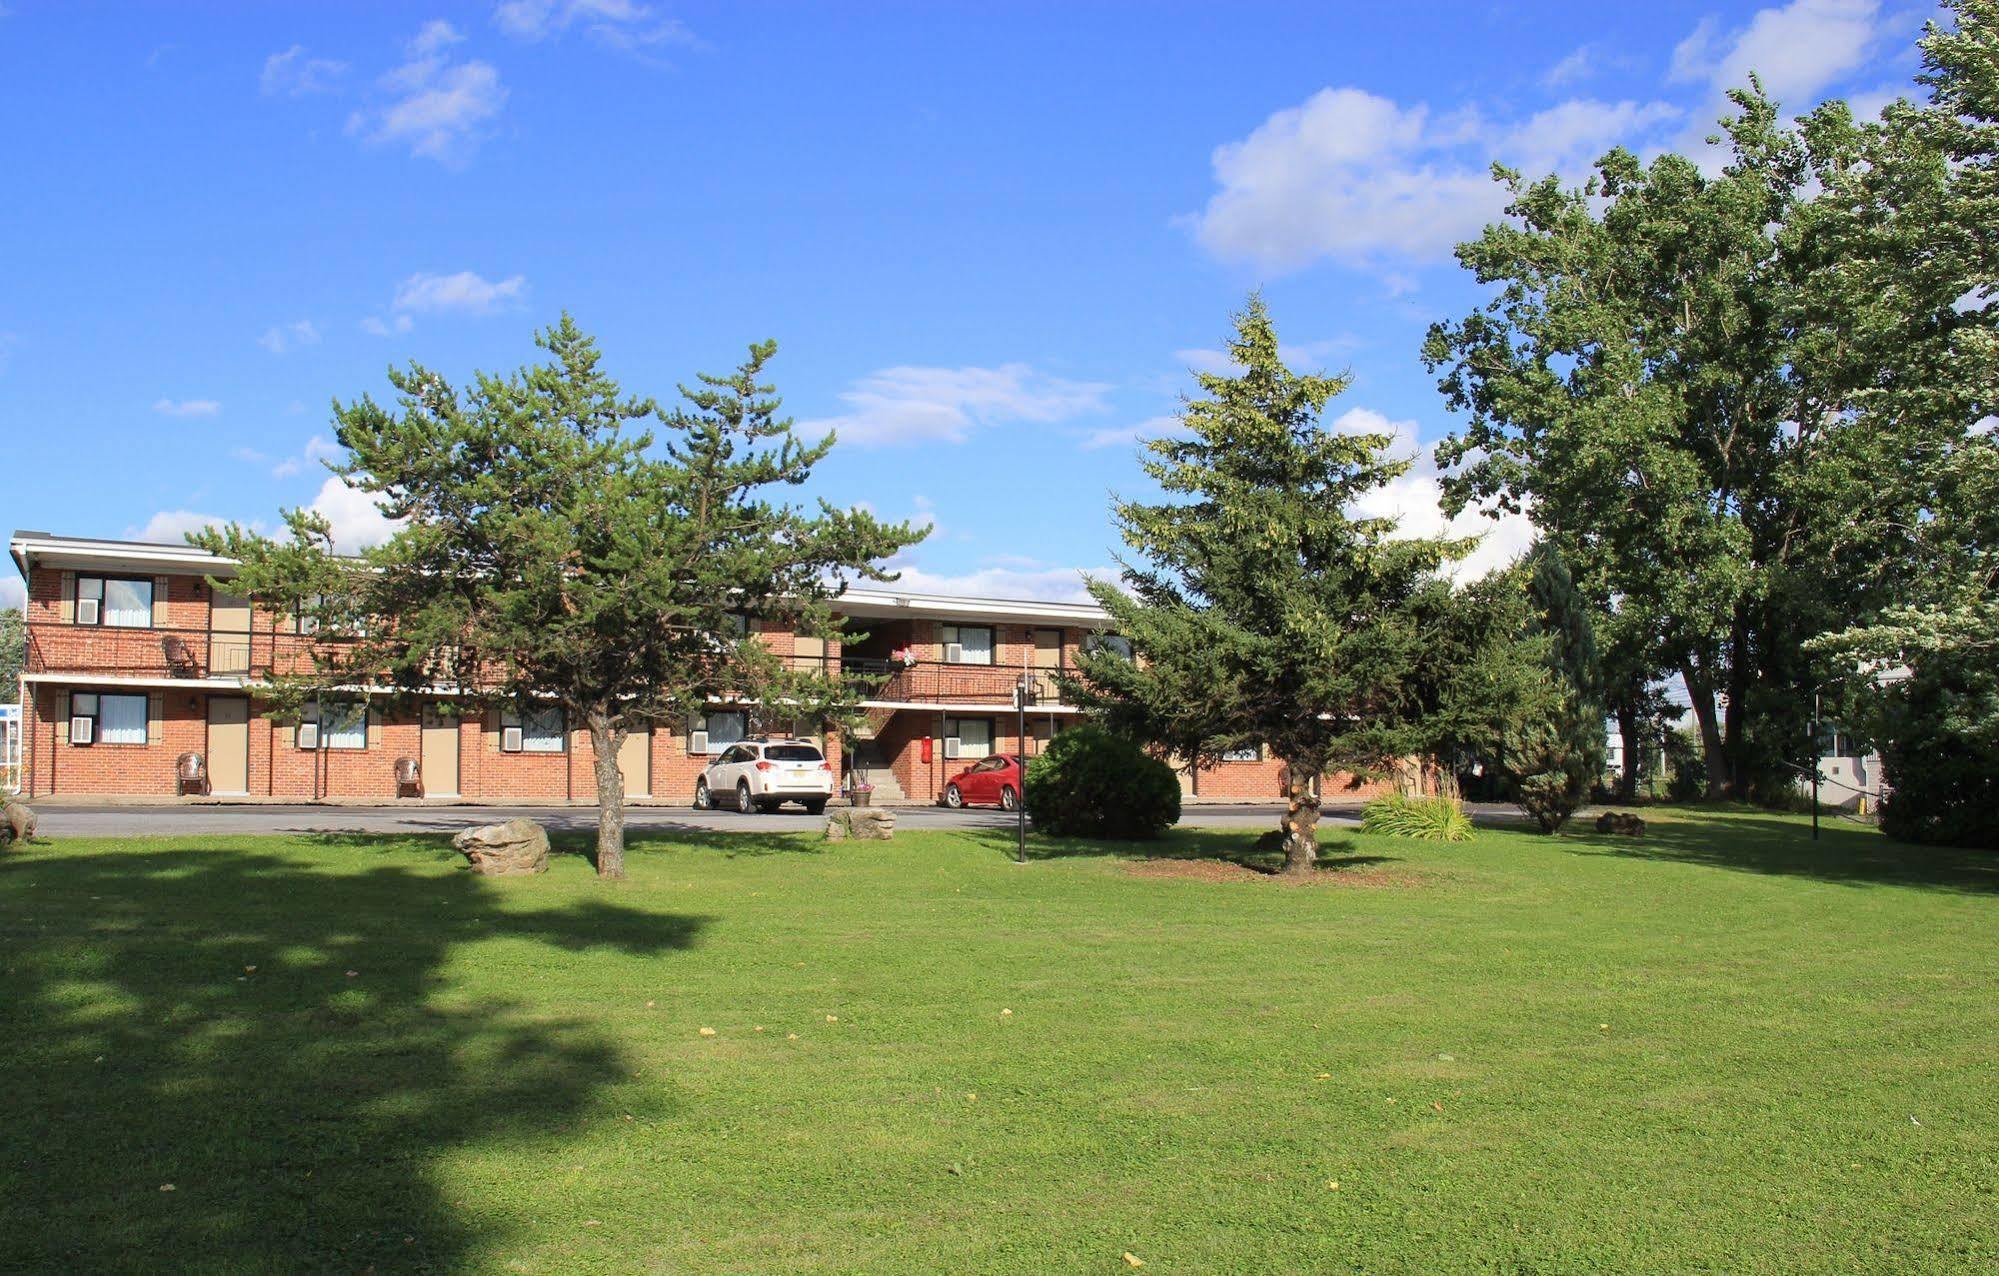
(859, 791)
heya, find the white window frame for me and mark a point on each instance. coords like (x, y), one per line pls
(320, 725)
(1253, 753)
(704, 741)
(1117, 644)
(955, 647)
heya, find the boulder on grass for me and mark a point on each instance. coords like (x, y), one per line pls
(861, 823)
(512, 849)
(17, 823)
(1620, 822)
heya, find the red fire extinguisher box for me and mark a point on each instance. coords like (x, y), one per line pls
(927, 742)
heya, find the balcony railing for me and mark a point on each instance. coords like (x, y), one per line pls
(166, 653)
(196, 653)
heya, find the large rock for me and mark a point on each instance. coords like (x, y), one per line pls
(862, 823)
(17, 823)
(513, 849)
(1622, 823)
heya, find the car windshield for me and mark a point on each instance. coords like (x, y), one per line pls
(793, 753)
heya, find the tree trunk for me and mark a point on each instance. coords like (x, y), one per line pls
(1702, 696)
(605, 743)
(1627, 731)
(1734, 717)
(1301, 819)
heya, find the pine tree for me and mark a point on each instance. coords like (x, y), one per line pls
(546, 556)
(1260, 609)
(1554, 751)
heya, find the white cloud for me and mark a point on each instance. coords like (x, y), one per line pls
(318, 448)
(289, 336)
(294, 74)
(1579, 65)
(437, 107)
(378, 327)
(1798, 50)
(186, 407)
(1403, 444)
(913, 405)
(1009, 577)
(464, 293)
(286, 468)
(622, 24)
(1125, 435)
(170, 527)
(249, 456)
(1355, 178)
(13, 590)
(357, 522)
(1415, 500)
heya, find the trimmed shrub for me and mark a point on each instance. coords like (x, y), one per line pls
(1090, 783)
(1435, 819)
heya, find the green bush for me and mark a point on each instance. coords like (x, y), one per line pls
(1941, 753)
(1425, 819)
(1090, 783)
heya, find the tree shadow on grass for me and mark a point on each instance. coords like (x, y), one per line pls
(1844, 853)
(296, 1111)
(1224, 845)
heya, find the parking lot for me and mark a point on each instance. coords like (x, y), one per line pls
(60, 819)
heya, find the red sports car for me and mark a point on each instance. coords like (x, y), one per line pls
(993, 781)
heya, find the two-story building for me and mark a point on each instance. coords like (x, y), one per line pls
(135, 661)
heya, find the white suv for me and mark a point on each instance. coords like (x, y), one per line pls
(760, 775)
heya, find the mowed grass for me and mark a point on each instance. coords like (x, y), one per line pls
(1719, 1049)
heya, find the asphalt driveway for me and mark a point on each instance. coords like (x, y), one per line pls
(60, 819)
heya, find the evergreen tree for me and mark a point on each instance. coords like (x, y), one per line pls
(547, 557)
(1554, 750)
(1262, 611)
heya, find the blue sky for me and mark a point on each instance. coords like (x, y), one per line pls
(990, 239)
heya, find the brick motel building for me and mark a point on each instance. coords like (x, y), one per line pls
(134, 660)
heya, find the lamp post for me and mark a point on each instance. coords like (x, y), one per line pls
(1816, 731)
(1023, 696)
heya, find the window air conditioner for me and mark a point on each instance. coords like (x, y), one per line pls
(308, 735)
(510, 739)
(950, 747)
(82, 730)
(954, 653)
(87, 611)
(697, 743)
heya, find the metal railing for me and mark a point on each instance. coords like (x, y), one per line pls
(258, 655)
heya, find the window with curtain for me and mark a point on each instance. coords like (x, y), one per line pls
(125, 604)
(121, 719)
(542, 730)
(724, 729)
(974, 643)
(974, 736)
(343, 726)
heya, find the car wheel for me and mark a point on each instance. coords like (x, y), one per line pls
(1009, 800)
(817, 806)
(703, 799)
(744, 804)
(952, 797)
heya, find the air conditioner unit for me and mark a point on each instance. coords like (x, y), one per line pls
(87, 611)
(950, 747)
(697, 743)
(954, 653)
(308, 735)
(82, 730)
(510, 739)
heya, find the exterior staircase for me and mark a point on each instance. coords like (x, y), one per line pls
(867, 756)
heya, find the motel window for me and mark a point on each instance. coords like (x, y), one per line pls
(102, 719)
(334, 724)
(968, 737)
(114, 601)
(968, 644)
(711, 733)
(1117, 646)
(1253, 753)
(541, 729)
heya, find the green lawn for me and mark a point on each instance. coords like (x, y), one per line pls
(1716, 1050)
